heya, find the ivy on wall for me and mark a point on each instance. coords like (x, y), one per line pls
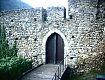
(5, 51)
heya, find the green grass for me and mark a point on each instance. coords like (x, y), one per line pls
(91, 75)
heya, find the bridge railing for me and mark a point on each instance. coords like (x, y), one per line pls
(61, 68)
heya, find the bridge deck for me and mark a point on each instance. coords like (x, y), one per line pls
(44, 72)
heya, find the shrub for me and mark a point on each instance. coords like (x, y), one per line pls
(5, 51)
(11, 68)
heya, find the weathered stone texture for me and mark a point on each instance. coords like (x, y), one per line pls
(81, 33)
(92, 60)
(56, 13)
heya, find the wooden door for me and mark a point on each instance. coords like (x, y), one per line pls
(54, 49)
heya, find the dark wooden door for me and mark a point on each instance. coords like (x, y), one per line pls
(60, 49)
(54, 49)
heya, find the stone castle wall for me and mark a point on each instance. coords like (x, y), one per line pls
(81, 32)
(56, 13)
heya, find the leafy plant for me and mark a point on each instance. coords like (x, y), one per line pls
(11, 66)
(5, 51)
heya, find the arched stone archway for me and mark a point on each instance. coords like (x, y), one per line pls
(45, 40)
(54, 49)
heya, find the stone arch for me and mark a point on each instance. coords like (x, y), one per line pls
(45, 39)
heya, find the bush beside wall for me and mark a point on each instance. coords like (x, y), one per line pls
(12, 68)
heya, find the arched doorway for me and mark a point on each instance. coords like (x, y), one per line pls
(54, 49)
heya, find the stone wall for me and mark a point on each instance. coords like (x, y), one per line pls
(24, 27)
(88, 30)
(56, 13)
(93, 60)
(81, 33)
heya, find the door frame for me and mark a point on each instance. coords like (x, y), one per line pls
(56, 55)
(43, 51)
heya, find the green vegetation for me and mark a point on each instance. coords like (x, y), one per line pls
(5, 51)
(91, 75)
(11, 66)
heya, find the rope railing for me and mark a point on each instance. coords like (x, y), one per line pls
(61, 68)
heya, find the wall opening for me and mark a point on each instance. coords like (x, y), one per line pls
(46, 38)
(54, 49)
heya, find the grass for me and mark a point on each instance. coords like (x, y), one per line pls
(91, 75)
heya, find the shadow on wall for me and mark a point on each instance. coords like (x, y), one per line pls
(68, 72)
(13, 4)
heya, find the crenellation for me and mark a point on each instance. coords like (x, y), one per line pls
(56, 13)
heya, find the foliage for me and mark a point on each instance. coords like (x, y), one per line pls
(11, 68)
(91, 75)
(5, 51)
